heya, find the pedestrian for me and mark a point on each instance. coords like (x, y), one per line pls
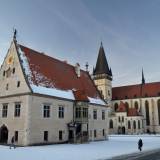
(140, 144)
(12, 143)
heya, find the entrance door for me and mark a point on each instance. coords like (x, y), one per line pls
(123, 130)
(3, 134)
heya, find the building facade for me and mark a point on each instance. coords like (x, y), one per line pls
(44, 100)
(134, 109)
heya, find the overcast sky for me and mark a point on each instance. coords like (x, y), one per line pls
(73, 29)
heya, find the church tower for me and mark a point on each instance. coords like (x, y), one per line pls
(102, 75)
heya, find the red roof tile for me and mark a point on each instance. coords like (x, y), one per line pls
(135, 91)
(133, 112)
(59, 74)
(121, 107)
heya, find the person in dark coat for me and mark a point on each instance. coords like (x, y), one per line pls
(140, 144)
(12, 143)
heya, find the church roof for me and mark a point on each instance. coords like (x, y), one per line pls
(51, 75)
(121, 107)
(102, 64)
(136, 91)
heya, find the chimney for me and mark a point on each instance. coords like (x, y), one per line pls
(77, 69)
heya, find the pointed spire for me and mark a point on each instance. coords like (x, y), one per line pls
(14, 34)
(102, 64)
(110, 70)
(87, 66)
(143, 79)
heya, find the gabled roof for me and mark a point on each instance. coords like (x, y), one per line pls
(47, 72)
(102, 64)
(136, 91)
(133, 112)
(121, 107)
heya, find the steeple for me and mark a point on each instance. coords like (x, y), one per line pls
(102, 64)
(143, 79)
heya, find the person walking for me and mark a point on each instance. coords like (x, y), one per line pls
(140, 144)
(12, 143)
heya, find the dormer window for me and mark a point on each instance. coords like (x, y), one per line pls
(126, 97)
(18, 84)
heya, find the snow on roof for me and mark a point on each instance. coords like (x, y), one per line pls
(42, 84)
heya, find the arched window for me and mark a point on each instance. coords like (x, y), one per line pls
(139, 124)
(122, 119)
(129, 125)
(115, 106)
(119, 119)
(134, 124)
(111, 124)
(158, 105)
(136, 105)
(147, 113)
(127, 106)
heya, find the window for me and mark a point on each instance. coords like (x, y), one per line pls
(111, 124)
(119, 119)
(18, 84)
(139, 124)
(129, 125)
(147, 113)
(4, 110)
(4, 73)
(103, 132)
(95, 133)
(8, 73)
(134, 124)
(103, 115)
(109, 93)
(135, 96)
(60, 135)
(78, 112)
(126, 97)
(7, 86)
(122, 119)
(16, 136)
(115, 106)
(45, 136)
(95, 114)
(13, 71)
(127, 106)
(158, 105)
(46, 111)
(61, 112)
(85, 112)
(136, 105)
(17, 110)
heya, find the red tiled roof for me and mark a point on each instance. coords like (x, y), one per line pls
(60, 74)
(133, 112)
(121, 107)
(136, 91)
(80, 95)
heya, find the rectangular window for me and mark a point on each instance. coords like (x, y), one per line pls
(78, 112)
(17, 110)
(61, 112)
(95, 114)
(46, 111)
(45, 135)
(4, 110)
(16, 136)
(85, 112)
(103, 131)
(7, 86)
(95, 133)
(18, 84)
(60, 135)
(103, 115)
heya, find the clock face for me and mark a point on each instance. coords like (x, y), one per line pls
(10, 60)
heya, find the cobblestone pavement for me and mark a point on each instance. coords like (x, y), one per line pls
(147, 155)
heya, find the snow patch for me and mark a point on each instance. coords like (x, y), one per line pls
(96, 101)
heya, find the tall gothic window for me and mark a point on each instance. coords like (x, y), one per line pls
(111, 123)
(115, 106)
(158, 105)
(129, 125)
(139, 124)
(127, 106)
(147, 113)
(134, 124)
(136, 105)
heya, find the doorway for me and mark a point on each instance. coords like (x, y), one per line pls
(3, 134)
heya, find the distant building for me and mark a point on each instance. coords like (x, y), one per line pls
(44, 100)
(134, 109)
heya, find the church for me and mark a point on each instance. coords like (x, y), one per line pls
(44, 100)
(134, 109)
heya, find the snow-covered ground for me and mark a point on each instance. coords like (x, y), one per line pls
(117, 145)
